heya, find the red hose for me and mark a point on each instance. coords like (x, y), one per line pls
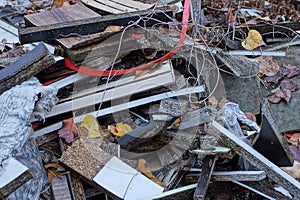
(96, 72)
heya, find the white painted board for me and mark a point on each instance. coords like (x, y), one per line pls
(125, 182)
(13, 170)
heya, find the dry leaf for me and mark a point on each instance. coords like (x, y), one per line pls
(253, 40)
(175, 123)
(111, 29)
(230, 19)
(250, 116)
(273, 98)
(289, 85)
(295, 139)
(90, 128)
(293, 171)
(144, 170)
(119, 130)
(293, 71)
(68, 130)
(54, 165)
(268, 66)
(53, 173)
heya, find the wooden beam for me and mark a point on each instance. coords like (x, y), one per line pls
(93, 25)
(256, 159)
(204, 179)
(30, 64)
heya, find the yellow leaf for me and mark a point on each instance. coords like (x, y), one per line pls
(253, 40)
(144, 170)
(122, 129)
(175, 123)
(119, 130)
(92, 127)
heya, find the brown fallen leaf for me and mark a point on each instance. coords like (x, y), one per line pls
(250, 116)
(53, 173)
(273, 98)
(230, 19)
(289, 84)
(111, 29)
(268, 66)
(293, 71)
(253, 40)
(68, 131)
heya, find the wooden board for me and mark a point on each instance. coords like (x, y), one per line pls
(65, 14)
(204, 179)
(117, 6)
(93, 25)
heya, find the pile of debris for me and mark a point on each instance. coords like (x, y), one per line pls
(149, 100)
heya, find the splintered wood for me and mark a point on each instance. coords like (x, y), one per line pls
(85, 158)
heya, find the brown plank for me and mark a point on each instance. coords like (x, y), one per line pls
(203, 181)
(93, 25)
(65, 14)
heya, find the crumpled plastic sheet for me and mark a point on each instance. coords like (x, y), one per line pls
(29, 156)
(231, 116)
(19, 106)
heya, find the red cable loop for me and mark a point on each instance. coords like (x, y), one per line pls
(96, 72)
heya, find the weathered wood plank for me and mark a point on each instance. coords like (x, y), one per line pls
(65, 14)
(30, 64)
(203, 181)
(112, 6)
(93, 25)
(257, 160)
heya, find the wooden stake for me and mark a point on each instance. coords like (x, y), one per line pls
(203, 181)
